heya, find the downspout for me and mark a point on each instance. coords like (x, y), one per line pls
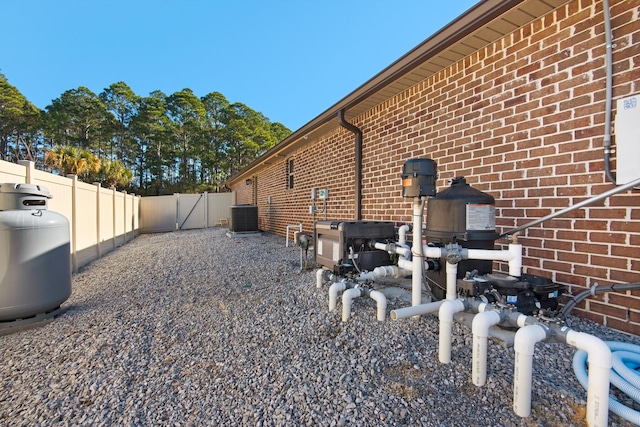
(358, 163)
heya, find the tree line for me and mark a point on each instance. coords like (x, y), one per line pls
(158, 144)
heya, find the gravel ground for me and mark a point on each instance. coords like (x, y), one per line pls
(196, 328)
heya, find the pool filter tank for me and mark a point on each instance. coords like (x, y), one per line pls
(460, 214)
(35, 260)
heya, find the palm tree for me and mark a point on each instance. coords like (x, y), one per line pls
(114, 172)
(70, 160)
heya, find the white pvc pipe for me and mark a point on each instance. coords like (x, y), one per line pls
(402, 234)
(334, 289)
(320, 277)
(480, 328)
(599, 357)
(289, 227)
(432, 251)
(390, 271)
(418, 258)
(405, 264)
(403, 251)
(515, 264)
(445, 314)
(452, 281)
(347, 297)
(524, 345)
(513, 255)
(384, 271)
(415, 310)
(381, 304)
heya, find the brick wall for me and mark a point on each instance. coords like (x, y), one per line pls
(522, 120)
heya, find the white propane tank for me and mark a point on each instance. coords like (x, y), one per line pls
(35, 260)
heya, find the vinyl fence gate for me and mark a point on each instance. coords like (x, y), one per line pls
(160, 214)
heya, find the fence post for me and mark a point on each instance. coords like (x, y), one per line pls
(74, 222)
(206, 209)
(114, 213)
(124, 213)
(29, 168)
(177, 198)
(98, 234)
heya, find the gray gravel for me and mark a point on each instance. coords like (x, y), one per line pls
(196, 328)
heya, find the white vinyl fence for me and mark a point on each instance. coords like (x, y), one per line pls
(159, 214)
(100, 219)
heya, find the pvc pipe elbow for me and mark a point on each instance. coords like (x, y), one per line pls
(524, 344)
(480, 327)
(527, 337)
(402, 234)
(449, 308)
(347, 297)
(483, 321)
(320, 277)
(515, 263)
(403, 251)
(334, 289)
(381, 304)
(600, 361)
(445, 314)
(598, 351)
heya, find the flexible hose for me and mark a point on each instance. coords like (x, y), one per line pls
(626, 379)
(596, 290)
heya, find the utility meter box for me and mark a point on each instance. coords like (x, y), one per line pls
(349, 244)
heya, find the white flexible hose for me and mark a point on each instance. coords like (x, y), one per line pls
(624, 378)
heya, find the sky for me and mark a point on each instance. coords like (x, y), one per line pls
(290, 60)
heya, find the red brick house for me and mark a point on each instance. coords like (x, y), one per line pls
(513, 96)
